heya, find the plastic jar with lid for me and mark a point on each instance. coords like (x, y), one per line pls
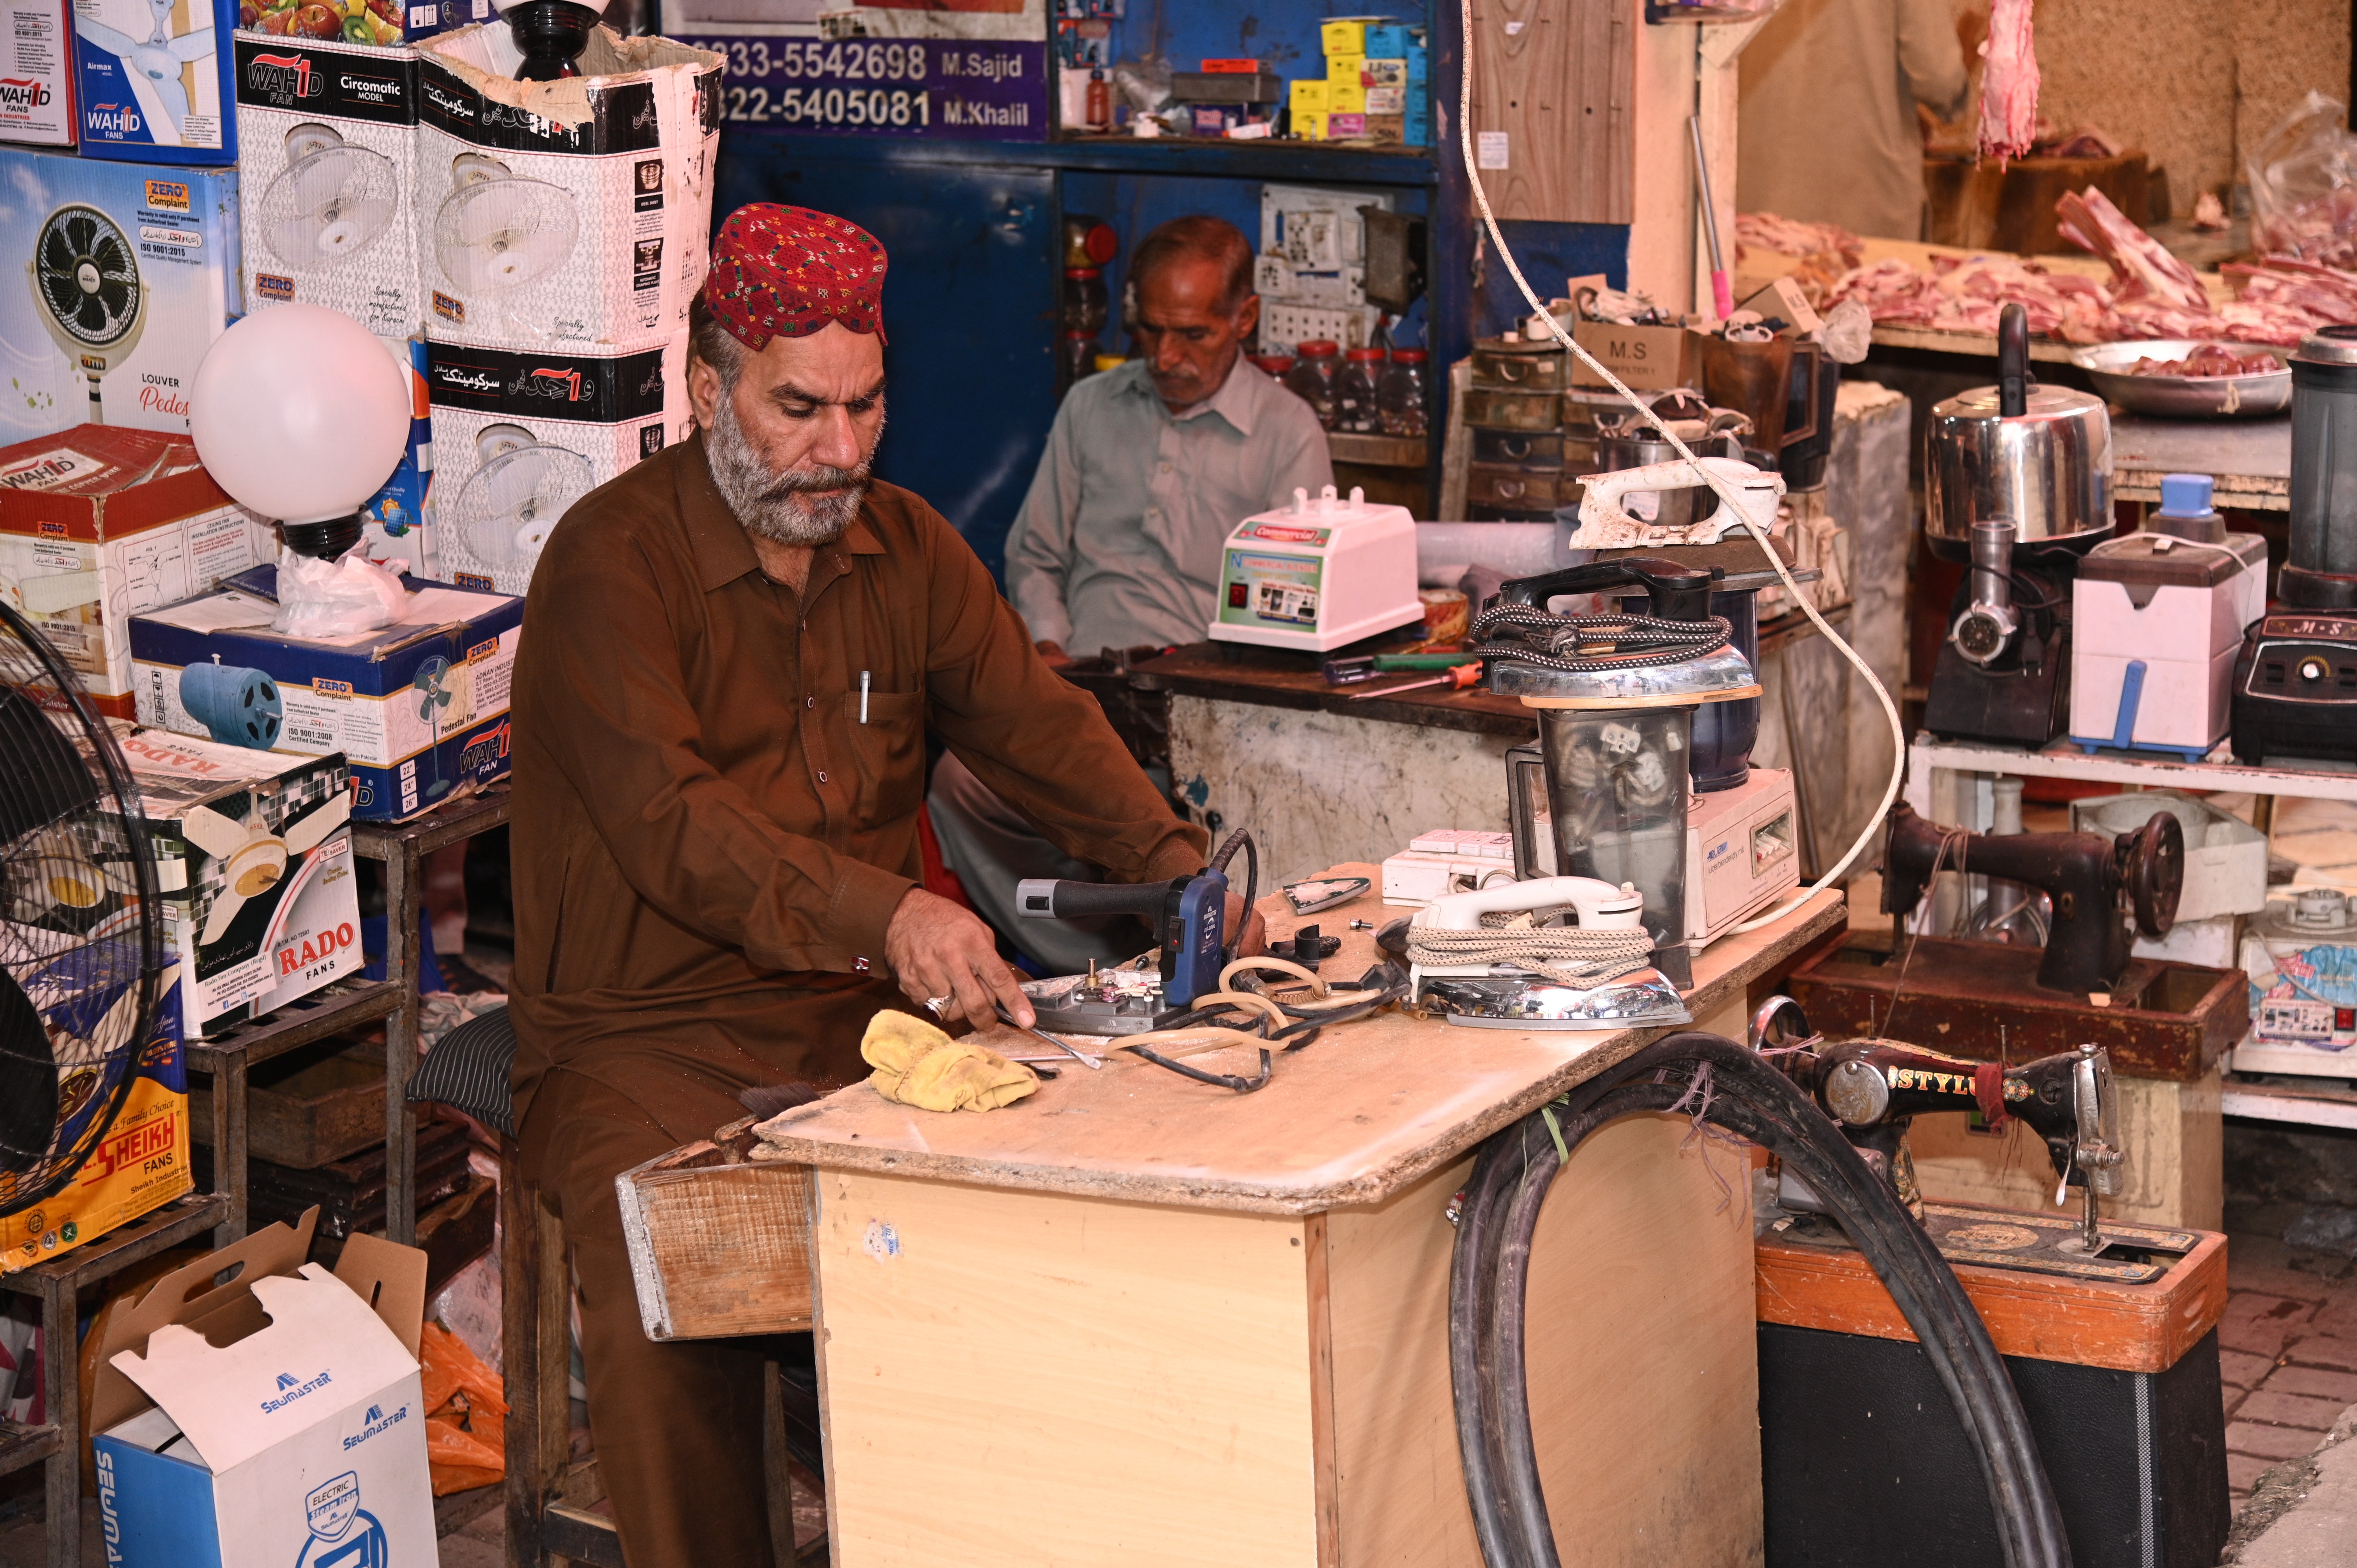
(1354, 392)
(1086, 307)
(1399, 397)
(1311, 379)
(1274, 366)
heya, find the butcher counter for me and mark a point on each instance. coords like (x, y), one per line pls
(1134, 1319)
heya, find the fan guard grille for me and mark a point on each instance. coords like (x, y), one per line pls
(87, 276)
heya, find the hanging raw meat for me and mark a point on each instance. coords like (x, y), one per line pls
(2008, 83)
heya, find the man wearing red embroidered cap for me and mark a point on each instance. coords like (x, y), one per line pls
(731, 657)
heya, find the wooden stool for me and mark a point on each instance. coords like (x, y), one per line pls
(550, 1496)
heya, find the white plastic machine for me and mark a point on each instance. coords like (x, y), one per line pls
(1317, 575)
(2157, 618)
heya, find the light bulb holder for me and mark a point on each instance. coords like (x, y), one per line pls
(324, 540)
(551, 34)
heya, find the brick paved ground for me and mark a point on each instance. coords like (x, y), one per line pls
(2287, 1347)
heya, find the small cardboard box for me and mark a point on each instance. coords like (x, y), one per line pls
(131, 109)
(1650, 359)
(416, 709)
(1346, 68)
(1345, 96)
(1390, 38)
(585, 419)
(37, 73)
(255, 863)
(142, 1163)
(97, 524)
(275, 1419)
(1347, 37)
(160, 247)
(330, 166)
(1306, 97)
(570, 217)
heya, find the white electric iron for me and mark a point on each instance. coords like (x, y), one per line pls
(1606, 523)
(1494, 993)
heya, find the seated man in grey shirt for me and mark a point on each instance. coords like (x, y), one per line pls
(1147, 470)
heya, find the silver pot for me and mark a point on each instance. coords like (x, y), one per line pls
(2040, 456)
(1630, 442)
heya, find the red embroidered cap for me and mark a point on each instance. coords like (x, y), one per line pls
(786, 272)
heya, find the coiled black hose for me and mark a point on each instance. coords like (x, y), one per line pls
(1741, 1092)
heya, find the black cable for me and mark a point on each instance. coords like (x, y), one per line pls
(1217, 1079)
(1746, 1094)
(1230, 949)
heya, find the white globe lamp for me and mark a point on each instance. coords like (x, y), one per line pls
(301, 415)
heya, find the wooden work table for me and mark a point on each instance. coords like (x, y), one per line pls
(1137, 1320)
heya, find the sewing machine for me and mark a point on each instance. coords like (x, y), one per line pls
(1874, 1089)
(2157, 1018)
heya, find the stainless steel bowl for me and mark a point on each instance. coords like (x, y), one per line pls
(2185, 397)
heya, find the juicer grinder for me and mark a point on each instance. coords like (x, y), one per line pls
(2294, 684)
(2017, 486)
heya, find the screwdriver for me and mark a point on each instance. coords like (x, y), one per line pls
(1457, 678)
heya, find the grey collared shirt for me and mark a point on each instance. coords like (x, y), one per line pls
(1118, 542)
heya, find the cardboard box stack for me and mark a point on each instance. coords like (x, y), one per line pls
(564, 234)
(1375, 86)
(416, 709)
(97, 524)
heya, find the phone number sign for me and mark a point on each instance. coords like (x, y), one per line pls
(935, 89)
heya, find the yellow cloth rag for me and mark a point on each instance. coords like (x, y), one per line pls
(918, 1065)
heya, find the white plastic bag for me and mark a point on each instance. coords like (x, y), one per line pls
(335, 598)
(2303, 179)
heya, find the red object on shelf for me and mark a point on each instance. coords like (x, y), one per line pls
(1231, 67)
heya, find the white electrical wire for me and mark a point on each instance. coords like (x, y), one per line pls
(1726, 494)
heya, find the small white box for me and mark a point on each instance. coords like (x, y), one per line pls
(1742, 853)
(2155, 623)
(328, 133)
(2225, 857)
(571, 215)
(276, 1421)
(1317, 575)
(1411, 877)
(1469, 843)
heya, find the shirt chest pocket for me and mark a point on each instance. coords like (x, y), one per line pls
(888, 754)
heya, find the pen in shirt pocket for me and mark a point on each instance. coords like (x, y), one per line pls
(862, 696)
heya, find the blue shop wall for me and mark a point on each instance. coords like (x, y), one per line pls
(1550, 255)
(969, 307)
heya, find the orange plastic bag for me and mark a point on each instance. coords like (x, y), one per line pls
(466, 1420)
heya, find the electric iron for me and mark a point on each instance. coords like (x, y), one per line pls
(1591, 973)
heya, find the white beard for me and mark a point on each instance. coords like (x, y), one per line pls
(805, 507)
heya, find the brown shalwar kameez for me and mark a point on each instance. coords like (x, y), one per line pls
(708, 845)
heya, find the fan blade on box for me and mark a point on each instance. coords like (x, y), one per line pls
(216, 834)
(28, 1081)
(224, 911)
(312, 830)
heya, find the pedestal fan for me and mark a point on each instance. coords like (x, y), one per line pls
(81, 934)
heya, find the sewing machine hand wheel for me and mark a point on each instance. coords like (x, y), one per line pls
(2153, 871)
(1778, 1024)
